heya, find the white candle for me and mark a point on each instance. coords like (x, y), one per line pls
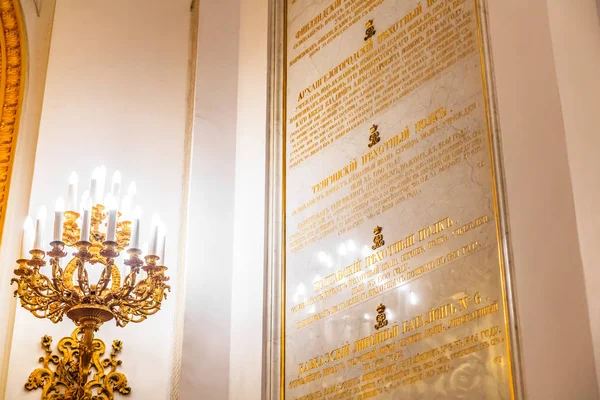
(127, 203)
(58, 219)
(72, 194)
(135, 228)
(40, 226)
(101, 183)
(27, 242)
(93, 193)
(111, 205)
(116, 185)
(163, 244)
(153, 250)
(126, 207)
(132, 189)
(86, 219)
(84, 198)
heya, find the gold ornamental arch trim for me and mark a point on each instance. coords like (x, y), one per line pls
(12, 82)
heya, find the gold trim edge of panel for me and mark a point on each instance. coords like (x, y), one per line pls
(500, 239)
(284, 200)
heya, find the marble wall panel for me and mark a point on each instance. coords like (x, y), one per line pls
(394, 274)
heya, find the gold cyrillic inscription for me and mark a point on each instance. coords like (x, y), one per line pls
(411, 52)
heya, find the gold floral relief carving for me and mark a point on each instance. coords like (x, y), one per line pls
(12, 56)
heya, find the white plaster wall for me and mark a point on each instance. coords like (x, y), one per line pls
(576, 38)
(37, 40)
(249, 257)
(115, 95)
(207, 323)
(557, 348)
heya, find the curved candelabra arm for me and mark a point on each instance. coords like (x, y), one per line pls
(43, 296)
(44, 287)
(104, 278)
(57, 274)
(82, 278)
(56, 254)
(109, 252)
(135, 263)
(39, 304)
(83, 256)
(136, 301)
(145, 300)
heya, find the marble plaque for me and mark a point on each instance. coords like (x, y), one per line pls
(394, 280)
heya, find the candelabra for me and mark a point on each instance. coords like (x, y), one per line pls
(70, 291)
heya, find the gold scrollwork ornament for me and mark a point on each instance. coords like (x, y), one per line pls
(71, 231)
(59, 377)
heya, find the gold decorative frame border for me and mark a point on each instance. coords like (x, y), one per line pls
(12, 84)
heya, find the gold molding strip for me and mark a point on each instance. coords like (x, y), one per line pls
(12, 83)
